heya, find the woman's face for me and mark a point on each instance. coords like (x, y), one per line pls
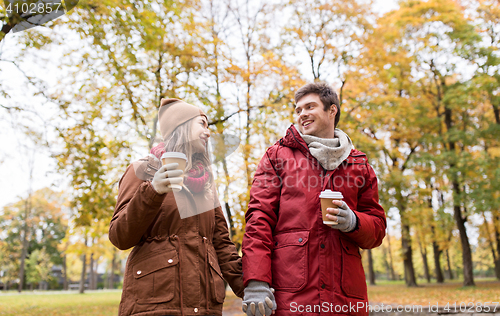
(199, 134)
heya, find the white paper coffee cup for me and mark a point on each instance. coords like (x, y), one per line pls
(326, 198)
(175, 157)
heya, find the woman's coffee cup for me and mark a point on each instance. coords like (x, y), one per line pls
(326, 197)
(175, 157)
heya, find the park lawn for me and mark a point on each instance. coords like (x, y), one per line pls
(101, 303)
(425, 294)
(105, 303)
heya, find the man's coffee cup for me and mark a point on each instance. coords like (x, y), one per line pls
(175, 157)
(326, 197)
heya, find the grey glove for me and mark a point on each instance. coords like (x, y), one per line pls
(166, 176)
(346, 219)
(258, 299)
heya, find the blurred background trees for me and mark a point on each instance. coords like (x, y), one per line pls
(420, 93)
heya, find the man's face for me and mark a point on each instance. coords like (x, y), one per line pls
(312, 119)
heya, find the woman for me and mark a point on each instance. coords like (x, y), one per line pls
(182, 252)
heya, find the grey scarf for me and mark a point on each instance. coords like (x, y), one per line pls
(330, 152)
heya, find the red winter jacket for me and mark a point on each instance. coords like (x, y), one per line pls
(313, 268)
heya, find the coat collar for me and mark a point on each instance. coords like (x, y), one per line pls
(292, 139)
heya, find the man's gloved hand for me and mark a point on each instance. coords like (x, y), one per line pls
(166, 176)
(258, 299)
(343, 215)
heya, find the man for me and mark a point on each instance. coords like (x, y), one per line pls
(314, 268)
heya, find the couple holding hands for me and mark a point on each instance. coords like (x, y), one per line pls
(182, 254)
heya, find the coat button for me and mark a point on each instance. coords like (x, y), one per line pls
(323, 286)
(276, 243)
(139, 272)
(196, 310)
(322, 246)
(170, 260)
(300, 239)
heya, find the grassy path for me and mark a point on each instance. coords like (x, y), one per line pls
(102, 303)
(105, 303)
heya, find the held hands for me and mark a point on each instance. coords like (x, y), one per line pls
(343, 215)
(165, 176)
(258, 299)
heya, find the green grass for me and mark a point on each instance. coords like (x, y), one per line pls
(105, 303)
(486, 290)
(100, 303)
(423, 282)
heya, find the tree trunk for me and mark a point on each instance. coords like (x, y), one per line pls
(95, 275)
(407, 255)
(386, 263)
(91, 272)
(27, 212)
(371, 270)
(496, 111)
(437, 264)
(457, 209)
(437, 257)
(82, 276)
(25, 244)
(496, 223)
(423, 252)
(450, 272)
(65, 274)
(391, 265)
(84, 268)
(492, 247)
(464, 240)
(111, 278)
(232, 229)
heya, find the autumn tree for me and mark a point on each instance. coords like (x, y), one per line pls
(486, 86)
(40, 229)
(437, 37)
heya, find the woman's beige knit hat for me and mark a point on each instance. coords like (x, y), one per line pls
(174, 112)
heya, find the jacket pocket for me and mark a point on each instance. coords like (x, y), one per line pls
(290, 261)
(353, 275)
(216, 279)
(155, 278)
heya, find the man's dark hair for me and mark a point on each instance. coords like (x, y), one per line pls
(325, 93)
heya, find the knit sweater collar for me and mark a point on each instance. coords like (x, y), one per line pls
(330, 152)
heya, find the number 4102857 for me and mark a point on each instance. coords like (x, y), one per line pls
(32, 8)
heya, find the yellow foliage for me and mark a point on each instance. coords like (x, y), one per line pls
(494, 152)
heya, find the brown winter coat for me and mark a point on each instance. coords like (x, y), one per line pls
(177, 266)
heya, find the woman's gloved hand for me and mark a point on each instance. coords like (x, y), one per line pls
(166, 176)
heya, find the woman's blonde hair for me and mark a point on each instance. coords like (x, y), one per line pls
(179, 141)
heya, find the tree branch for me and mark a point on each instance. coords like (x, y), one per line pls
(222, 120)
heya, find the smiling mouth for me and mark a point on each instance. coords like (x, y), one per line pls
(307, 123)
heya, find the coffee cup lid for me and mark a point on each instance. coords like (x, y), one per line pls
(329, 194)
(172, 154)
